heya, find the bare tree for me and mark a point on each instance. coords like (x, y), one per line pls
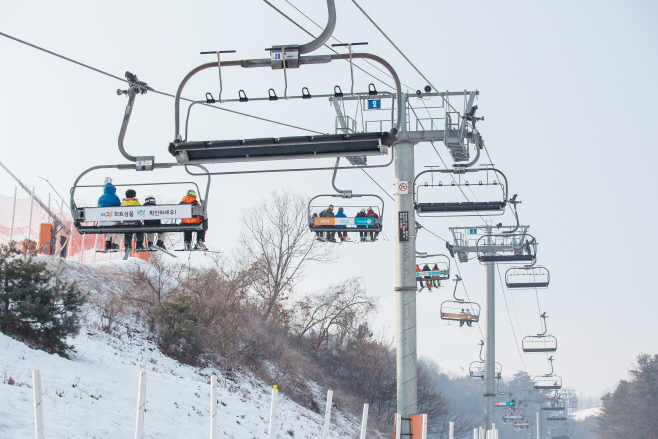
(277, 243)
(337, 311)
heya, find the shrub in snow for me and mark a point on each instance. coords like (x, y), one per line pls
(178, 329)
(35, 304)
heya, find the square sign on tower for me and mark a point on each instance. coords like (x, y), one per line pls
(374, 104)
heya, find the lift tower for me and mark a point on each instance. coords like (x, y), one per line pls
(492, 244)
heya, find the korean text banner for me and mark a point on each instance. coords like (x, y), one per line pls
(135, 213)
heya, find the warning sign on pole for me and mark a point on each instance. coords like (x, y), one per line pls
(402, 188)
(403, 224)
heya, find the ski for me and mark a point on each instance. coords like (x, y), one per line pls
(160, 249)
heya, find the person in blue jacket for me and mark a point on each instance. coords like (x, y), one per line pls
(109, 199)
(341, 214)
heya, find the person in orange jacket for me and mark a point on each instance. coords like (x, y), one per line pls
(190, 198)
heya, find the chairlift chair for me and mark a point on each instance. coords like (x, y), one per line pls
(459, 310)
(90, 220)
(527, 277)
(516, 247)
(425, 207)
(476, 370)
(548, 381)
(351, 223)
(541, 342)
(284, 58)
(442, 271)
(553, 404)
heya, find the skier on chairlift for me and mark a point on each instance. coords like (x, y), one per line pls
(437, 281)
(109, 199)
(318, 235)
(428, 279)
(150, 237)
(373, 235)
(362, 214)
(342, 235)
(190, 198)
(131, 200)
(329, 213)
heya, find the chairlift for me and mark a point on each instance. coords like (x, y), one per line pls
(527, 277)
(553, 404)
(438, 269)
(510, 403)
(93, 220)
(424, 205)
(517, 247)
(541, 342)
(353, 222)
(513, 417)
(476, 368)
(548, 381)
(283, 58)
(518, 426)
(459, 310)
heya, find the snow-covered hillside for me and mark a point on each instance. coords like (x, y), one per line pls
(94, 394)
(586, 413)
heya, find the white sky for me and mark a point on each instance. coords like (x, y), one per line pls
(566, 90)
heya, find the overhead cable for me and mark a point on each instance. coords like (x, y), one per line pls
(327, 46)
(34, 46)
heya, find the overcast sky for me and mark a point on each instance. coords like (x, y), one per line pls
(567, 90)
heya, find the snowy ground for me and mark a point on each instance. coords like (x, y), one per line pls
(586, 413)
(94, 394)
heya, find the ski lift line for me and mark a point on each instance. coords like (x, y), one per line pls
(333, 37)
(150, 89)
(516, 340)
(400, 51)
(266, 62)
(326, 45)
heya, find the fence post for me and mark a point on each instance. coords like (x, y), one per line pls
(475, 433)
(213, 407)
(275, 393)
(29, 226)
(38, 406)
(141, 402)
(451, 432)
(82, 249)
(96, 246)
(398, 425)
(364, 421)
(327, 414)
(13, 214)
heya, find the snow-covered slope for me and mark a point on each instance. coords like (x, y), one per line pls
(94, 394)
(586, 413)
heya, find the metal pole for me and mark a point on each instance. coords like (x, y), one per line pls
(327, 414)
(29, 225)
(364, 422)
(405, 282)
(271, 432)
(82, 249)
(489, 342)
(539, 426)
(213, 407)
(38, 404)
(13, 214)
(141, 402)
(96, 246)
